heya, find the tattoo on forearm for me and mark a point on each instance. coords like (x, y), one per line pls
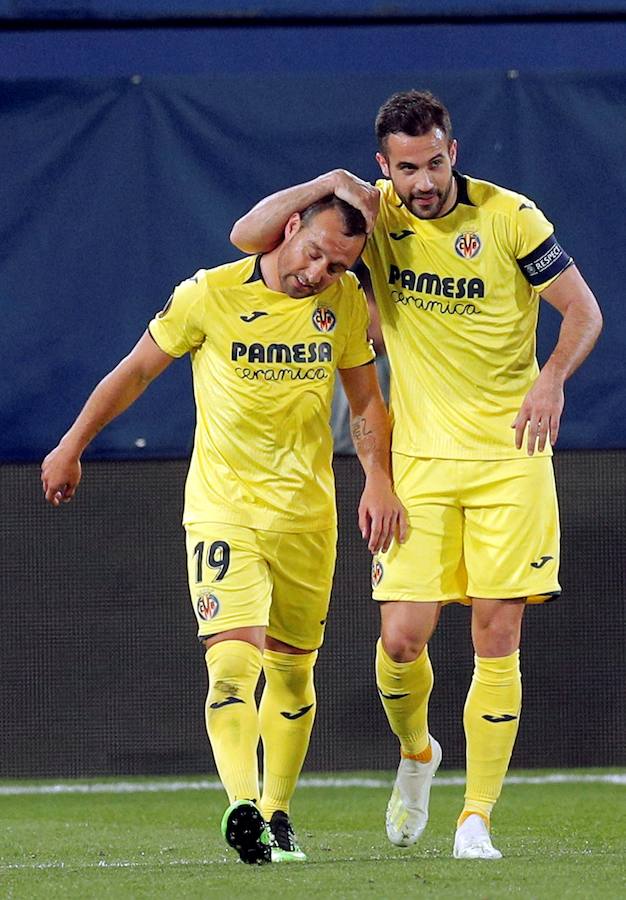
(363, 435)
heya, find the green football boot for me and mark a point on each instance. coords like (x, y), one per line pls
(247, 832)
(285, 844)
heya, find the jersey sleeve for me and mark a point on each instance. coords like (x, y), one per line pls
(538, 253)
(358, 349)
(369, 251)
(177, 329)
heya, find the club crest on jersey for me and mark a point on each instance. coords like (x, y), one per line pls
(377, 572)
(324, 319)
(207, 606)
(468, 244)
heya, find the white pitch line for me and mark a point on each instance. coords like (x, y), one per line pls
(120, 864)
(158, 787)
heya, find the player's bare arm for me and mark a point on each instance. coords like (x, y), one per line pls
(381, 515)
(374, 332)
(582, 322)
(61, 469)
(262, 228)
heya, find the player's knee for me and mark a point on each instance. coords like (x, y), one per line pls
(299, 682)
(497, 626)
(495, 639)
(228, 658)
(292, 674)
(289, 661)
(401, 646)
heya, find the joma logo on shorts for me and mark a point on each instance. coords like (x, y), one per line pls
(282, 353)
(541, 562)
(431, 284)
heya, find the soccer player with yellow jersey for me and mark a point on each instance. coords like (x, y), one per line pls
(458, 267)
(266, 335)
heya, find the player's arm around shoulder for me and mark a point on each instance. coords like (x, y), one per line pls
(543, 405)
(262, 228)
(381, 515)
(61, 469)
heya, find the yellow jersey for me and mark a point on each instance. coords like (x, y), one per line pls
(458, 298)
(263, 368)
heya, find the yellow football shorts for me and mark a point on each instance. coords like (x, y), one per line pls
(240, 577)
(476, 529)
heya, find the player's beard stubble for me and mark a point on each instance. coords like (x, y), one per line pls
(432, 202)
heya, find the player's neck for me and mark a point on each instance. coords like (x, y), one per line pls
(451, 199)
(269, 270)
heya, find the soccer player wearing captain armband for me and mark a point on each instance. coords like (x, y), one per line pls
(457, 268)
(266, 336)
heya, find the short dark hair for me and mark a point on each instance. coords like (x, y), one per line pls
(353, 218)
(411, 112)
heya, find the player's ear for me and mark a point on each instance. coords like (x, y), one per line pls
(452, 151)
(293, 225)
(384, 165)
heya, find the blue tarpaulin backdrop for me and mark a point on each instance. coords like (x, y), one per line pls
(113, 190)
(256, 9)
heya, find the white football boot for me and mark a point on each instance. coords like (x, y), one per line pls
(407, 810)
(473, 841)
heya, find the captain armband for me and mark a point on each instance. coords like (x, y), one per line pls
(544, 263)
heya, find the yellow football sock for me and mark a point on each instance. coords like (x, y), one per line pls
(231, 714)
(404, 690)
(491, 719)
(286, 716)
(476, 807)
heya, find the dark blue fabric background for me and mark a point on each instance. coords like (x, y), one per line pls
(145, 9)
(112, 190)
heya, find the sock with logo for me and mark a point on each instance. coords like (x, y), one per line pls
(286, 716)
(491, 719)
(232, 719)
(404, 689)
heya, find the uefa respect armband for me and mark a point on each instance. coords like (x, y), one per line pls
(544, 263)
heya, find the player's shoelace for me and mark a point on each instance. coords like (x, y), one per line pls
(284, 836)
(285, 847)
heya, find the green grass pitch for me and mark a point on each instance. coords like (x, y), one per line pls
(563, 840)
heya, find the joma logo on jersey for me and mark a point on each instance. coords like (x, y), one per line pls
(324, 319)
(432, 284)
(282, 353)
(468, 245)
(208, 606)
